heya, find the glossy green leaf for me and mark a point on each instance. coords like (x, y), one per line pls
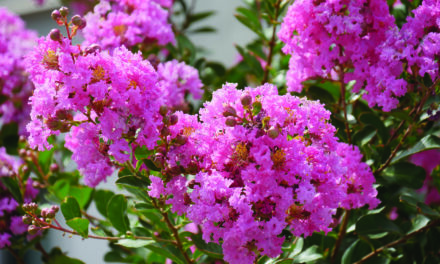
(101, 198)
(159, 249)
(200, 16)
(256, 108)
(296, 248)
(56, 256)
(405, 174)
(374, 224)
(374, 121)
(12, 185)
(212, 249)
(142, 153)
(45, 160)
(248, 23)
(116, 212)
(70, 208)
(426, 143)
(133, 181)
(251, 61)
(80, 225)
(134, 243)
(310, 254)
(348, 254)
(82, 194)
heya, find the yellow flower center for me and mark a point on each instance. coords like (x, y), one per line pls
(50, 60)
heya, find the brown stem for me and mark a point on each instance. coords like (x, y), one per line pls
(397, 242)
(344, 104)
(393, 154)
(341, 234)
(272, 43)
(40, 248)
(16, 256)
(174, 231)
(416, 111)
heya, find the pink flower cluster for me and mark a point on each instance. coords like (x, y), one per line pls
(116, 97)
(128, 23)
(108, 102)
(179, 79)
(262, 163)
(15, 42)
(342, 40)
(10, 220)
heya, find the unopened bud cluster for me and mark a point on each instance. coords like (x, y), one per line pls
(38, 219)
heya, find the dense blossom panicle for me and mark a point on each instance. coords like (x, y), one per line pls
(419, 39)
(325, 38)
(128, 23)
(15, 42)
(10, 217)
(263, 162)
(116, 96)
(429, 160)
(178, 79)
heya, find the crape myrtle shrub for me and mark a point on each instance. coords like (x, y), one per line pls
(319, 145)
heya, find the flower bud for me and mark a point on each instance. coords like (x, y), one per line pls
(173, 119)
(56, 15)
(166, 120)
(64, 115)
(64, 11)
(93, 48)
(158, 160)
(55, 208)
(32, 230)
(246, 100)
(273, 133)
(54, 167)
(22, 139)
(230, 121)
(165, 131)
(22, 153)
(27, 219)
(229, 111)
(55, 34)
(163, 110)
(181, 140)
(50, 214)
(79, 21)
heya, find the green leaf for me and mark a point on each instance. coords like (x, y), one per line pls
(82, 194)
(143, 206)
(256, 108)
(426, 143)
(199, 16)
(254, 28)
(206, 29)
(45, 160)
(116, 212)
(133, 181)
(375, 224)
(12, 185)
(211, 249)
(310, 254)
(374, 121)
(61, 189)
(405, 174)
(364, 135)
(348, 254)
(150, 165)
(70, 208)
(251, 61)
(101, 200)
(142, 153)
(317, 93)
(163, 251)
(297, 247)
(134, 243)
(56, 256)
(80, 225)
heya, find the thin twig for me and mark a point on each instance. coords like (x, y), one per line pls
(341, 234)
(174, 231)
(344, 103)
(397, 242)
(272, 43)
